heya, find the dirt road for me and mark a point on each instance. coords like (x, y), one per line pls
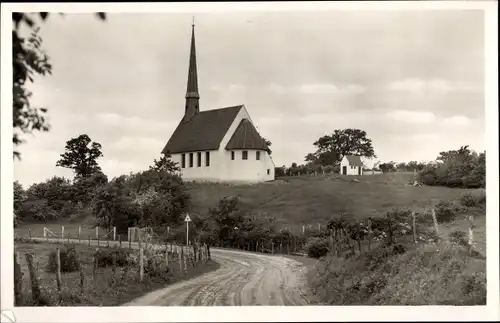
(242, 279)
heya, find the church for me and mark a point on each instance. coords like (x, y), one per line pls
(219, 145)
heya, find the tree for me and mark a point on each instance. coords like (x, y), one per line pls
(387, 167)
(268, 144)
(28, 60)
(19, 196)
(165, 164)
(331, 149)
(80, 157)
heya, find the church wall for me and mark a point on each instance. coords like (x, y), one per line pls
(222, 168)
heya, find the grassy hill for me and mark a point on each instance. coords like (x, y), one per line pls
(308, 200)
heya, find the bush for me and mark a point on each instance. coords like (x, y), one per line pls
(104, 257)
(69, 260)
(37, 210)
(317, 247)
(472, 200)
(459, 237)
(445, 212)
(428, 179)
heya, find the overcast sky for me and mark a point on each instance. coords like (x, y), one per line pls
(412, 80)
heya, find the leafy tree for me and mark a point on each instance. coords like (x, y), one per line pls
(268, 144)
(19, 196)
(387, 167)
(56, 191)
(402, 166)
(28, 60)
(81, 157)
(332, 148)
(85, 187)
(165, 164)
(113, 207)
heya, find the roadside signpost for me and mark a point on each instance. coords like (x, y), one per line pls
(187, 219)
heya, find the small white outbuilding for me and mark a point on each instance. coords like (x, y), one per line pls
(351, 165)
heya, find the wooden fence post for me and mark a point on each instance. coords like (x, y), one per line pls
(113, 269)
(129, 244)
(35, 288)
(114, 233)
(471, 234)
(62, 232)
(58, 271)
(370, 233)
(18, 281)
(414, 227)
(79, 233)
(69, 239)
(120, 240)
(185, 261)
(166, 259)
(97, 232)
(436, 225)
(108, 242)
(94, 264)
(180, 255)
(82, 278)
(358, 237)
(141, 264)
(29, 232)
(272, 247)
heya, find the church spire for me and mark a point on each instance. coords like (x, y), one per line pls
(192, 95)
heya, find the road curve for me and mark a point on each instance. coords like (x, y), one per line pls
(243, 279)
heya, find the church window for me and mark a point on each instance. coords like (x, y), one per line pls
(207, 158)
(257, 155)
(268, 172)
(190, 159)
(183, 162)
(244, 155)
(232, 155)
(199, 160)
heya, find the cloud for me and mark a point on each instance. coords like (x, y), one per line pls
(317, 88)
(412, 116)
(138, 143)
(436, 85)
(133, 122)
(457, 121)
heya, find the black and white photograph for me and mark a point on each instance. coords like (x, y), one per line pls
(181, 157)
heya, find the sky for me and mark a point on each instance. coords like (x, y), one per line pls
(413, 80)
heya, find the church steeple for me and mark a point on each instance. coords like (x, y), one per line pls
(192, 95)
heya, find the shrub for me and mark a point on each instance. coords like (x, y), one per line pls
(37, 210)
(317, 247)
(458, 237)
(69, 260)
(472, 200)
(428, 179)
(445, 212)
(104, 257)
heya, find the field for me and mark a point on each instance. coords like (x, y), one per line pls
(308, 200)
(107, 287)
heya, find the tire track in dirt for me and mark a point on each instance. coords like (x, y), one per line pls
(242, 279)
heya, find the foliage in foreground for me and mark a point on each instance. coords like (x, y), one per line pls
(433, 274)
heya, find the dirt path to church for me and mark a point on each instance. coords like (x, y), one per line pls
(242, 279)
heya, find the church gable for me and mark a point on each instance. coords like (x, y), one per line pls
(204, 131)
(246, 137)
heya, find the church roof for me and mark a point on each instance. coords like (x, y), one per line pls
(246, 137)
(204, 131)
(354, 160)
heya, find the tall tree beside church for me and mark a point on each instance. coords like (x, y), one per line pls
(330, 149)
(28, 60)
(81, 156)
(268, 144)
(165, 164)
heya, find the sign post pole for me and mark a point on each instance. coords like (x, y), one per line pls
(187, 220)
